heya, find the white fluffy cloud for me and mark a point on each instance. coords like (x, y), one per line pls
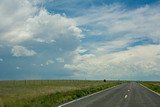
(50, 27)
(49, 62)
(115, 58)
(14, 15)
(140, 60)
(19, 51)
(24, 23)
(24, 20)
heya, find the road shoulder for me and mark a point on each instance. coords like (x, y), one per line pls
(149, 89)
(88, 96)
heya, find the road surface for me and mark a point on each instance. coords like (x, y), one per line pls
(125, 95)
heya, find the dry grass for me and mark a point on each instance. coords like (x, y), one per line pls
(155, 86)
(13, 91)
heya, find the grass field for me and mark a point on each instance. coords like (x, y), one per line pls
(155, 86)
(47, 93)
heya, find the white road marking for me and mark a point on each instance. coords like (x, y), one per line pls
(150, 89)
(88, 96)
(125, 96)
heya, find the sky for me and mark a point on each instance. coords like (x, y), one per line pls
(80, 39)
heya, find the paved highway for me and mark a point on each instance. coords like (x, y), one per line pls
(125, 95)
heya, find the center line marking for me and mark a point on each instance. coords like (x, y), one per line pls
(125, 96)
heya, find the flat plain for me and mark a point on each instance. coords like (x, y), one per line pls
(40, 93)
(154, 85)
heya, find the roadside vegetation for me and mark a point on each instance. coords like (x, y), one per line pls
(155, 86)
(47, 93)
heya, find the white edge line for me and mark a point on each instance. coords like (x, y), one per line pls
(149, 89)
(87, 96)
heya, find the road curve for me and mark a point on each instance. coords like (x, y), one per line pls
(125, 95)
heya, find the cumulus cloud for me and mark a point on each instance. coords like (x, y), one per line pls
(115, 57)
(140, 60)
(49, 62)
(25, 21)
(59, 37)
(46, 27)
(14, 15)
(20, 51)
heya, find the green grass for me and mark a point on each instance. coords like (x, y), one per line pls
(155, 86)
(47, 93)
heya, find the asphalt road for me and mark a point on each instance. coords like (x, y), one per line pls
(125, 95)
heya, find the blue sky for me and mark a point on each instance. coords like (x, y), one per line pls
(78, 39)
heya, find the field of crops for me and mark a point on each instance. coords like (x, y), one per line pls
(46, 93)
(155, 86)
